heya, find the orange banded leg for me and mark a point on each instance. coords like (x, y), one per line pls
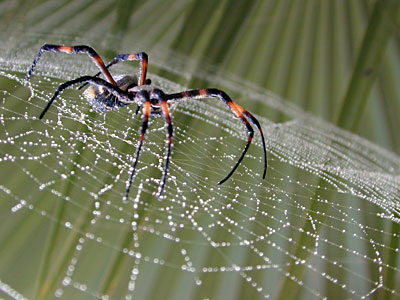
(145, 124)
(168, 122)
(141, 56)
(70, 50)
(236, 109)
(255, 122)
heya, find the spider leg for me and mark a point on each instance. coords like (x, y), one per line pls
(98, 81)
(73, 49)
(167, 116)
(141, 56)
(146, 114)
(137, 109)
(237, 111)
(255, 122)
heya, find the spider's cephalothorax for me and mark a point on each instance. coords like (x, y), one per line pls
(120, 90)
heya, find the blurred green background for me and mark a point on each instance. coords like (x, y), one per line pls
(336, 59)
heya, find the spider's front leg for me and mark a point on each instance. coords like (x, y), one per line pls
(141, 56)
(70, 50)
(162, 100)
(237, 111)
(144, 97)
(155, 94)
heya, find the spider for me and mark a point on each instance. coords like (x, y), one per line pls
(117, 91)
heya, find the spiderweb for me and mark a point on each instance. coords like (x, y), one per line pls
(323, 224)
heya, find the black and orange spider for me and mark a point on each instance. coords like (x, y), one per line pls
(120, 90)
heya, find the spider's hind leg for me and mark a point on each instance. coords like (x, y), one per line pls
(97, 81)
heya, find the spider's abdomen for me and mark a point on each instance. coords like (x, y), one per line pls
(102, 100)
